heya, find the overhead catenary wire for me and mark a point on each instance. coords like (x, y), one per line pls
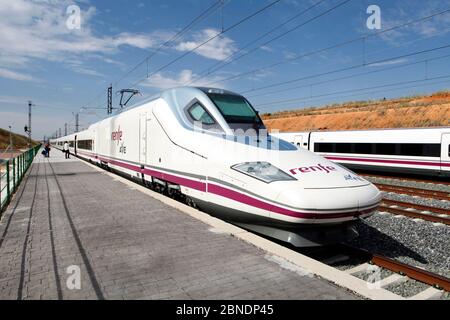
(305, 98)
(208, 70)
(209, 40)
(215, 6)
(264, 93)
(360, 65)
(426, 61)
(334, 46)
(280, 36)
(368, 93)
(204, 14)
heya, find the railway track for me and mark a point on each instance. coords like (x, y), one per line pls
(428, 181)
(401, 272)
(427, 213)
(402, 269)
(425, 193)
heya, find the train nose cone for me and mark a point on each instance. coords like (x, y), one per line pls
(331, 199)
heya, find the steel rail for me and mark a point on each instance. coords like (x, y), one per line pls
(447, 183)
(416, 206)
(415, 273)
(415, 215)
(430, 278)
(441, 195)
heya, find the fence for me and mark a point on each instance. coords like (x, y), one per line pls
(14, 171)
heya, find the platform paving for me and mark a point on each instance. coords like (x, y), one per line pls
(69, 219)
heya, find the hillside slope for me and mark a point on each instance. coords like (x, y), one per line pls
(408, 112)
(19, 141)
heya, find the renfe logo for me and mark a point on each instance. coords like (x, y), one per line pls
(116, 135)
(319, 167)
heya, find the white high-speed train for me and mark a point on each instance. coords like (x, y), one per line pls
(210, 147)
(423, 151)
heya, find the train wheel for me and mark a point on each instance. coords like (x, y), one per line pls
(190, 202)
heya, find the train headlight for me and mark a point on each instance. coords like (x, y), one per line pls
(263, 171)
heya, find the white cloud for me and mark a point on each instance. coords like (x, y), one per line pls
(387, 63)
(166, 81)
(141, 41)
(401, 13)
(267, 48)
(32, 30)
(5, 73)
(78, 66)
(37, 30)
(87, 71)
(217, 49)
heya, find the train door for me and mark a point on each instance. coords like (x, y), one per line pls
(75, 145)
(143, 138)
(445, 153)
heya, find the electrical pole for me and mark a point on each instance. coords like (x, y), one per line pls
(60, 133)
(28, 129)
(10, 142)
(109, 105)
(65, 129)
(77, 123)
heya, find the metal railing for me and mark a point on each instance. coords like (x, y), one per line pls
(12, 172)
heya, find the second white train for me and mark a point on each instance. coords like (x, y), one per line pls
(424, 151)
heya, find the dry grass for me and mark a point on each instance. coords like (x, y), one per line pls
(19, 141)
(407, 112)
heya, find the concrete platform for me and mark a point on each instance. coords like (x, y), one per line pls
(68, 216)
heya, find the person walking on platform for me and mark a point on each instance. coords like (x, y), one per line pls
(47, 150)
(66, 150)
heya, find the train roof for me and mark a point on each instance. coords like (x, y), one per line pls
(205, 90)
(216, 90)
(166, 92)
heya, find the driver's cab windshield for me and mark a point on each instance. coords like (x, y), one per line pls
(237, 111)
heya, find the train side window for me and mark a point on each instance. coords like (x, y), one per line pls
(343, 148)
(363, 148)
(412, 149)
(324, 147)
(85, 144)
(432, 150)
(198, 113)
(386, 148)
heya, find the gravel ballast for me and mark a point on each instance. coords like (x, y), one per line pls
(418, 243)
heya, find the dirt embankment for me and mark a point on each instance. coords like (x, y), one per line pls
(409, 112)
(19, 141)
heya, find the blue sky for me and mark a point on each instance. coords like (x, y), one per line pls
(61, 69)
